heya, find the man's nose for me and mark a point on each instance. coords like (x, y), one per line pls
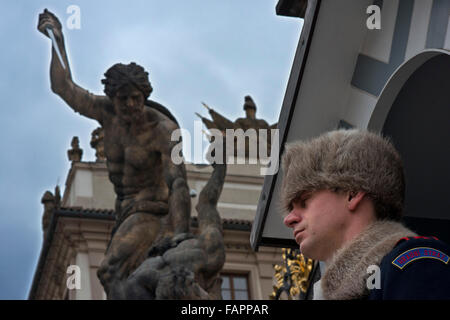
(292, 219)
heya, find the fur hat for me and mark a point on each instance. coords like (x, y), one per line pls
(349, 161)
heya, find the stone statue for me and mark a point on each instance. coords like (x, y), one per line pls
(186, 266)
(249, 122)
(51, 202)
(152, 196)
(97, 143)
(75, 154)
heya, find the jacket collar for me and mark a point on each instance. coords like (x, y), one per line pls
(346, 273)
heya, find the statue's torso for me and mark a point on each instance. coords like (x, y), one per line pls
(133, 157)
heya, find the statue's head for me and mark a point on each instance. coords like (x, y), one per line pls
(250, 107)
(75, 143)
(127, 85)
(121, 74)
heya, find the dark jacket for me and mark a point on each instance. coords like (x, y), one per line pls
(417, 268)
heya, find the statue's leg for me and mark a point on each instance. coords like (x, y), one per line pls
(128, 248)
(180, 206)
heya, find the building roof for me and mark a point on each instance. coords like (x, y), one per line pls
(78, 212)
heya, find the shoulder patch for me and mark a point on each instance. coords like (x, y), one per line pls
(419, 253)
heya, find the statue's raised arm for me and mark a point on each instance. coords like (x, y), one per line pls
(77, 98)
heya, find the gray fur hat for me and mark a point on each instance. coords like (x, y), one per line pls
(349, 161)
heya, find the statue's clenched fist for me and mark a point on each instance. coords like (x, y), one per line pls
(48, 20)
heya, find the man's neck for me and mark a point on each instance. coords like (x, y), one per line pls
(356, 226)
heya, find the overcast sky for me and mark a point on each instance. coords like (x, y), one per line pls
(216, 51)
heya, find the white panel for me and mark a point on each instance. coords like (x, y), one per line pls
(419, 27)
(447, 37)
(83, 184)
(71, 199)
(84, 293)
(360, 107)
(230, 186)
(236, 206)
(239, 213)
(378, 43)
(242, 186)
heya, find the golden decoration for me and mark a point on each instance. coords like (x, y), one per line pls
(292, 277)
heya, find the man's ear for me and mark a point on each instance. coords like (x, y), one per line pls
(354, 199)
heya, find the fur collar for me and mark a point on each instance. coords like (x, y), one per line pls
(346, 273)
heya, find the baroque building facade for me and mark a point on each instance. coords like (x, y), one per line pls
(77, 230)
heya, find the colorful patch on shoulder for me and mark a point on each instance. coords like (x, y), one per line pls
(419, 253)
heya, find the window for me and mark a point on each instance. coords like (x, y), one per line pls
(235, 287)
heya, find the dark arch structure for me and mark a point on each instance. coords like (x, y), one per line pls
(414, 110)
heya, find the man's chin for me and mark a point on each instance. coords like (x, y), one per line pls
(305, 250)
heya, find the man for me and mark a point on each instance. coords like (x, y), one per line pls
(344, 195)
(152, 195)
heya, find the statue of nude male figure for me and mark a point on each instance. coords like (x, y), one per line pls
(152, 194)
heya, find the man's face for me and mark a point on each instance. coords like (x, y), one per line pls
(318, 220)
(129, 103)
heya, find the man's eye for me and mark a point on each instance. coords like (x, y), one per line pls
(302, 203)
